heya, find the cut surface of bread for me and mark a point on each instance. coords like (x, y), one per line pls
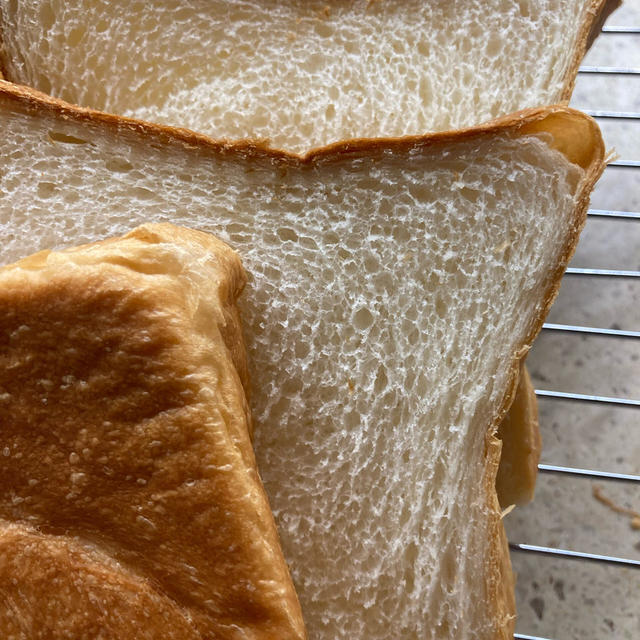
(394, 287)
(300, 73)
(304, 73)
(131, 506)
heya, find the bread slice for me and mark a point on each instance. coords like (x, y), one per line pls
(301, 73)
(394, 287)
(521, 446)
(131, 506)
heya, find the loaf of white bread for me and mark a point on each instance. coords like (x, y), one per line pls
(131, 507)
(395, 285)
(299, 74)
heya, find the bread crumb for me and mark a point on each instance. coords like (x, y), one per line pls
(507, 511)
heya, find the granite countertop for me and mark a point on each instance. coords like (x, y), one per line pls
(575, 599)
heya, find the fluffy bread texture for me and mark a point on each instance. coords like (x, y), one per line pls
(131, 506)
(394, 287)
(300, 73)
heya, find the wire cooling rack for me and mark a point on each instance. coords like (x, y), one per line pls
(539, 582)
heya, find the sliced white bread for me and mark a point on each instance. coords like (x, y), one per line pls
(131, 506)
(300, 73)
(394, 287)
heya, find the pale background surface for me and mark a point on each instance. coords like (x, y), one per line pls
(570, 599)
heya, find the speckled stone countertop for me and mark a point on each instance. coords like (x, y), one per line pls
(572, 599)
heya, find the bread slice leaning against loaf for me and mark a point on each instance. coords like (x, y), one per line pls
(131, 506)
(302, 73)
(394, 287)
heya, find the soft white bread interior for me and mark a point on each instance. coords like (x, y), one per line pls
(394, 286)
(131, 506)
(303, 73)
(300, 73)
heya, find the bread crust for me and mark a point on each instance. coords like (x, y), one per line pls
(596, 14)
(590, 155)
(79, 575)
(125, 431)
(499, 578)
(572, 133)
(521, 446)
(577, 150)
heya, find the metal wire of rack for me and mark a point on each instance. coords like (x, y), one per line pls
(619, 217)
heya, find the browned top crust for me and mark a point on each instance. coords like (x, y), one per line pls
(70, 589)
(126, 466)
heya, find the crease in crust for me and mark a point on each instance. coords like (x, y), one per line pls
(81, 576)
(526, 121)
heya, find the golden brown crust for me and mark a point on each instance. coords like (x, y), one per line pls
(518, 123)
(499, 580)
(519, 433)
(125, 426)
(61, 580)
(580, 140)
(603, 9)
